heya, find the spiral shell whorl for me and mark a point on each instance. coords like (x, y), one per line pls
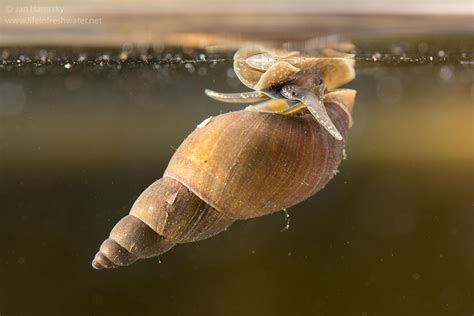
(165, 214)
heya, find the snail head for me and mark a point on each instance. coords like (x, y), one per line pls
(308, 88)
(303, 82)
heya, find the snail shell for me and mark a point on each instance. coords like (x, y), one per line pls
(237, 165)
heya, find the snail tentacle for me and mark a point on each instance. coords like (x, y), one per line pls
(316, 107)
(241, 97)
(313, 100)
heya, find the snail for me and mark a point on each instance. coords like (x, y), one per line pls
(248, 163)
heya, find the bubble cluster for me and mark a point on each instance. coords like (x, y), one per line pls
(415, 59)
(42, 61)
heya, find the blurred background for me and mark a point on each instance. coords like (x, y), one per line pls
(95, 96)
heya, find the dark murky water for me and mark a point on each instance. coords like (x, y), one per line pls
(392, 234)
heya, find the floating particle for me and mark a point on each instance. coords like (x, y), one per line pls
(189, 67)
(446, 73)
(231, 73)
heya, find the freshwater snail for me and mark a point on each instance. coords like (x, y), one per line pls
(244, 164)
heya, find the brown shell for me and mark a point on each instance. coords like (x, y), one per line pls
(336, 69)
(248, 164)
(238, 165)
(175, 213)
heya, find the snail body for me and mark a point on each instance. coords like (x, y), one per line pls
(235, 166)
(299, 79)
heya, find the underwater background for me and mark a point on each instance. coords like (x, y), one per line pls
(91, 115)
